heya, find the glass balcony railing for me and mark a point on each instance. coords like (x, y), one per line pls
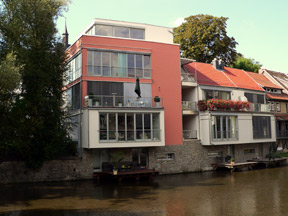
(188, 105)
(256, 107)
(186, 77)
(121, 101)
(189, 134)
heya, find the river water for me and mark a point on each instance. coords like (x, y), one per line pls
(257, 192)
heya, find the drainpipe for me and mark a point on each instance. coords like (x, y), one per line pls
(197, 99)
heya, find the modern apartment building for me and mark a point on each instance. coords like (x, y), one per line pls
(104, 63)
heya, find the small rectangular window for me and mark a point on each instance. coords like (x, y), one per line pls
(249, 151)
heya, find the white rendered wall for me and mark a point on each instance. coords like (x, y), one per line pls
(245, 129)
(90, 131)
(152, 33)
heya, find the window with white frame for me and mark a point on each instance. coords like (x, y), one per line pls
(118, 64)
(117, 127)
(278, 107)
(117, 31)
(224, 127)
(75, 68)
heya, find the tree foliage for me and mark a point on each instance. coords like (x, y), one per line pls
(204, 37)
(37, 130)
(247, 64)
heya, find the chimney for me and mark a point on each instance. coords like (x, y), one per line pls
(221, 64)
(65, 37)
(218, 65)
(215, 63)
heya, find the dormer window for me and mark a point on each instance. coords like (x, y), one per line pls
(117, 31)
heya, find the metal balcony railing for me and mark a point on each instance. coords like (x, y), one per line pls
(282, 134)
(188, 105)
(189, 134)
(121, 101)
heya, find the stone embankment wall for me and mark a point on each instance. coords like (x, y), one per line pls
(55, 170)
(193, 157)
(189, 157)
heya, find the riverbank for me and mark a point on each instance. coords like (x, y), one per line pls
(257, 193)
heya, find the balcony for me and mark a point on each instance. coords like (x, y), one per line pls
(231, 105)
(189, 108)
(189, 134)
(100, 101)
(256, 107)
(282, 134)
(187, 80)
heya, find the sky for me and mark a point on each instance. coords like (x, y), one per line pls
(259, 26)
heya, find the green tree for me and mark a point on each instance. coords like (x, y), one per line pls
(27, 27)
(204, 37)
(247, 64)
(9, 85)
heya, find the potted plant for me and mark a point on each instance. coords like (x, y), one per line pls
(232, 162)
(157, 101)
(116, 157)
(120, 104)
(96, 102)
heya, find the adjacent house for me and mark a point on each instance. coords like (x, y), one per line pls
(227, 124)
(278, 103)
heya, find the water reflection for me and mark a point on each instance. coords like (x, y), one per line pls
(260, 192)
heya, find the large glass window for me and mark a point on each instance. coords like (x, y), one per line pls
(129, 126)
(224, 127)
(117, 31)
(113, 64)
(261, 127)
(254, 98)
(210, 94)
(73, 97)
(75, 68)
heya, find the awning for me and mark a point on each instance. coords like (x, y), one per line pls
(277, 96)
(281, 117)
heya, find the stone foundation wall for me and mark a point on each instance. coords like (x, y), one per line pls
(189, 157)
(193, 157)
(56, 170)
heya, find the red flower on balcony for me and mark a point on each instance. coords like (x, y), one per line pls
(223, 104)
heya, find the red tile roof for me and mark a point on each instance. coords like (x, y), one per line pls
(277, 96)
(281, 78)
(263, 80)
(230, 77)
